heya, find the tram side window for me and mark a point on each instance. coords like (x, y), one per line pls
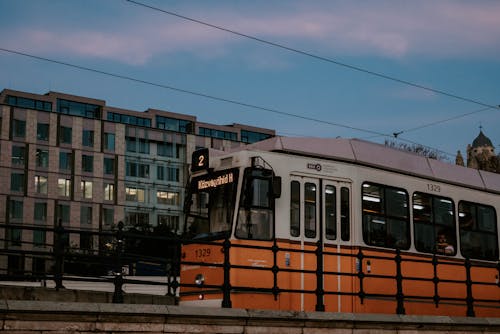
(310, 210)
(330, 212)
(294, 208)
(434, 224)
(478, 231)
(345, 218)
(385, 216)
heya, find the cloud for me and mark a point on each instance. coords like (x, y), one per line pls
(383, 28)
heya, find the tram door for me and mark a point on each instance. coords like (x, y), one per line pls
(319, 210)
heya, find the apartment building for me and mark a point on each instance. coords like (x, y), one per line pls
(91, 165)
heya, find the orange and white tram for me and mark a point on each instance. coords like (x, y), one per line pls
(340, 225)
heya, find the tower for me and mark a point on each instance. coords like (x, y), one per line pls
(481, 154)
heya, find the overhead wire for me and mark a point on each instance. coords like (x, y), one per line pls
(315, 56)
(181, 90)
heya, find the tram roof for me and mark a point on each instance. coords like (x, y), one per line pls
(380, 156)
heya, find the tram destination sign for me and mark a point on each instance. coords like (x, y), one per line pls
(216, 181)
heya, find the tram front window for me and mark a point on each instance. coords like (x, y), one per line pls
(210, 205)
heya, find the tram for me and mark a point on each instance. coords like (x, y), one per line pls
(340, 225)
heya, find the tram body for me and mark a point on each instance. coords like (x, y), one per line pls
(332, 224)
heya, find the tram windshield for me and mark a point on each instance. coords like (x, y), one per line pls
(209, 206)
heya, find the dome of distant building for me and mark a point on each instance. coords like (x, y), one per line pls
(481, 141)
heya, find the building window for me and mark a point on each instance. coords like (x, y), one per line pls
(137, 170)
(143, 146)
(78, 109)
(165, 149)
(127, 119)
(18, 155)
(109, 192)
(478, 231)
(88, 138)
(17, 182)
(40, 184)
(64, 187)
(63, 213)
(65, 136)
(39, 238)
(109, 166)
(386, 220)
(138, 219)
(87, 163)
(42, 131)
(434, 224)
(65, 160)
(219, 134)
(18, 128)
(86, 187)
(250, 137)
(173, 124)
(40, 213)
(16, 209)
(14, 236)
(108, 216)
(160, 173)
(86, 215)
(23, 102)
(170, 223)
(131, 144)
(166, 197)
(42, 158)
(134, 194)
(109, 141)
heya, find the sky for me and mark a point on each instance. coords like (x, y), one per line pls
(428, 71)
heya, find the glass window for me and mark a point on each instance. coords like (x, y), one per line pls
(434, 224)
(478, 231)
(42, 158)
(39, 240)
(165, 149)
(256, 214)
(131, 144)
(109, 141)
(109, 166)
(86, 215)
(170, 223)
(86, 187)
(160, 173)
(295, 209)
(310, 210)
(64, 187)
(137, 219)
(345, 216)
(385, 216)
(137, 170)
(134, 194)
(40, 213)
(108, 216)
(42, 131)
(87, 163)
(109, 191)
(63, 213)
(65, 160)
(14, 236)
(173, 174)
(167, 197)
(65, 135)
(88, 138)
(330, 212)
(143, 146)
(16, 209)
(17, 182)
(18, 128)
(40, 184)
(18, 155)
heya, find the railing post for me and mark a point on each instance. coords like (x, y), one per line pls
(59, 255)
(468, 282)
(399, 283)
(361, 275)
(226, 286)
(320, 292)
(118, 280)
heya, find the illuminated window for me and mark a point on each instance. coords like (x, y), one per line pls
(86, 187)
(166, 197)
(134, 194)
(40, 184)
(64, 187)
(109, 192)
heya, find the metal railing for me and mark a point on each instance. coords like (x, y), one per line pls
(116, 256)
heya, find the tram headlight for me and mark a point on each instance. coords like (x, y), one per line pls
(199, 280)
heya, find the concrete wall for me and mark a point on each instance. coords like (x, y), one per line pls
(30, 317)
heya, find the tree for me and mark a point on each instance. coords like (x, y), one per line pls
(418, 149)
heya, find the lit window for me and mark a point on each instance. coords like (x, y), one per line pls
(166, 197)
(64, 187)
(109, 191)
(86, 187)
(134, 194)
(40, 184)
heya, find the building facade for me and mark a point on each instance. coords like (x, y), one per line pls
(75, 159)
(481, 155)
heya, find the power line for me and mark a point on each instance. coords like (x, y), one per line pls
(181, 90)
(315, 56)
